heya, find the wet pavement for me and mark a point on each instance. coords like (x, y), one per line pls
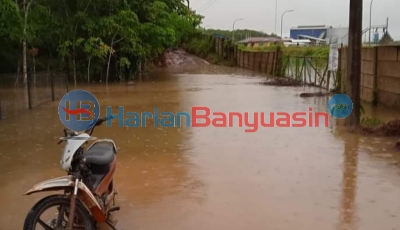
(216, 178)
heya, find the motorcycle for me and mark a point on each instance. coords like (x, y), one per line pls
(88, 189)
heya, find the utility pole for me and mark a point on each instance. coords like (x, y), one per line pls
(370, 20)
(353, 77)
(387, 25)
(276, 13)
(282, 21)
(233, 28)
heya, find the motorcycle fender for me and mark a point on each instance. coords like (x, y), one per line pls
(84, 194)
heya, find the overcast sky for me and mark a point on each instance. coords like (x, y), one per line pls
(260, 14)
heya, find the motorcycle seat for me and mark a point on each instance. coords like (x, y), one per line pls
(101, 153)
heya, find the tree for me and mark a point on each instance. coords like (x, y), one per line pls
(119, 27)
(94, 47)
(10, 20)
(10, 31)
(26, 7)
(97, 33)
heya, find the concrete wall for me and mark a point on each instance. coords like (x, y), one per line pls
(380, 74)
(265, 62)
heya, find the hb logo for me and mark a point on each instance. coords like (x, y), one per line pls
(340, 106)
(79, 110)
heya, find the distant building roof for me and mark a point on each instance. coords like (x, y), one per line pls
(298, 40)
(220, 36)
(311, 27)
(312, 38)
(259, 39)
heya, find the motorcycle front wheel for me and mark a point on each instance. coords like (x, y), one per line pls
(57, 219)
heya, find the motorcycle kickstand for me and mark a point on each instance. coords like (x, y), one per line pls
(108, 221)
(111, 224)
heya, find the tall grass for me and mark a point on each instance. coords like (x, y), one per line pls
(309, 51)
(204, 47)
(200, 46)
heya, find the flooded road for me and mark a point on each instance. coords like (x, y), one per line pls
(215, 178)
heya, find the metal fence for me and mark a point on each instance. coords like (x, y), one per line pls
(311, 70)
(41, 87)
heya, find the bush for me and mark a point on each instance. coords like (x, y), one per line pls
(308, 51)
(200, 46)
(203, 46)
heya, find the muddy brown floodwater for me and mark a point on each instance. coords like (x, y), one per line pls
(215, 178)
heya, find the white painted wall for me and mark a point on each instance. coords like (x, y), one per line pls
(338, 35)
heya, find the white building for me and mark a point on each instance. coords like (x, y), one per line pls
(321, 34)
(337, 35)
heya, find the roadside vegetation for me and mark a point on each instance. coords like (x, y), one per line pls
(92, 39)
(306, 51)
(376, 127)
(239, 34)
(203, 47)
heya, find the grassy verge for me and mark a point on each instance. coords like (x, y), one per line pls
(204, 48)
(310, 51)
(215, 59)
(199, 46)
(257, 49)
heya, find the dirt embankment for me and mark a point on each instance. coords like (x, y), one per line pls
(390, 129)
(284, 81)
(180, 58)
(318, 94)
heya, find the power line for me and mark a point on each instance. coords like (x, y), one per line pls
(208, 5)
(205, 5)
(211, 4)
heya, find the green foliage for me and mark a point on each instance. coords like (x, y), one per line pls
(218, 60)
(258, 49)
(308, 51)
(129, 32)
(367, 121)
(294, 51)
(239, 34)
(93, 47)
(201, 46)
(10, 20)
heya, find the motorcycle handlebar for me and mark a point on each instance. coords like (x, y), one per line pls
(101, 120)
(98, 123)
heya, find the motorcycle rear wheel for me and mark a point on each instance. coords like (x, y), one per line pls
(33, 218)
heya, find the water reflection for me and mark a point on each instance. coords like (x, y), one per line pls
(349, 183)
(215, 178)
(151, 164)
